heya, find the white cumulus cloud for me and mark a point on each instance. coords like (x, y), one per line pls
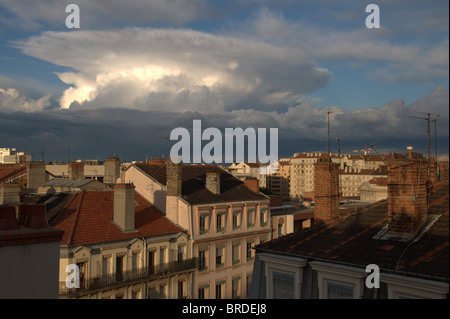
(172, 69)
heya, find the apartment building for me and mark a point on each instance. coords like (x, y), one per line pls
(278, 182)
(302, 172)
(224, 218)
(123, 247)
(12, 156)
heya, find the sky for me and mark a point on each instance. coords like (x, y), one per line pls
(134, 71)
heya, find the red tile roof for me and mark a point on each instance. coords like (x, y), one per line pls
(351, 240)
(11, 172)
(87, 219)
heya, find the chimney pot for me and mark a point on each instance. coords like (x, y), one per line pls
(8, 219)
(36, 217)
(252, 183)
(213, 182)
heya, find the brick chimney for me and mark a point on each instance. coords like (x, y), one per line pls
(252, 183)
(407, 196)
(112, 170)
(173, 178)
(36, 175)
(326, 189)
(76, 170)
(213, 182)
(124, 204)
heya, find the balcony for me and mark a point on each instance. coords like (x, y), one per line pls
(130, 277)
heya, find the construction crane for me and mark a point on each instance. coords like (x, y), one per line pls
(366, 150)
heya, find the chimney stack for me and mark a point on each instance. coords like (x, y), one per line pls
(407, 196)
(173, 178)
(36, 175)
(124, 204)
(326, 189)
(112, 170)
(213, 182)
(9, 194)
(76, 170)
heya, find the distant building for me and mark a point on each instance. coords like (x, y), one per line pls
(245, 169)
(12, 156)
(405, 236)
(302, 171)
(278, 182)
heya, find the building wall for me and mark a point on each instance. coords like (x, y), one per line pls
(101, 259)
(154, 192)
(28, 271)
(235, 269)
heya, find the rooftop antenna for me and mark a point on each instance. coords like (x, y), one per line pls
(42, 154)
(428, 118)
(328, 119)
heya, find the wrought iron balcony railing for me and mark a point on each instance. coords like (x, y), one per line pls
(133, 276)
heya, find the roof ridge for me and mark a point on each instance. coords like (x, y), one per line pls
(77, 213)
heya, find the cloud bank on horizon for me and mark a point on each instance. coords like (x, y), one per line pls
(268, 69)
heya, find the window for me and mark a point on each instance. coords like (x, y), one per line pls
(203, 291)
(202, 259)
(250, 218)
(181, 290)
(250, 250)
(220, 221)
(106, 265)
(180, 255)
(263, 217)
(203, 221)
(162, 255)
(236, 219)
(151, 260)
(236, 253)
(220, 289)
(120, 267)
(219, 256)
(135, 260)
(235, 287)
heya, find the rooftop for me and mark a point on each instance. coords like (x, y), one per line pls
(193, 185)
(8, 172)
(87, 219)
(351, 240)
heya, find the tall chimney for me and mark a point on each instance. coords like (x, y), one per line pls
(36, 175)
(112, 170)
(407, 196)
(213, 182)
(76, 170)
(124, 204)
(173, 178)
(326, 189)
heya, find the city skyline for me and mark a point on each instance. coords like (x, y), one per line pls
(131, 74)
